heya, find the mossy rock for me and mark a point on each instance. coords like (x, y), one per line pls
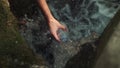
(14, 51)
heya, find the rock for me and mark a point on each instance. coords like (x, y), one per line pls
(14, 51)
(108, 50)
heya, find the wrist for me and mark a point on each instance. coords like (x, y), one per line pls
(50, 19)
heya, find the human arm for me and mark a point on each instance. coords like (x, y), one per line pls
(52, 22)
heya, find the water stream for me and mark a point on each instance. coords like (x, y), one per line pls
(85, 20)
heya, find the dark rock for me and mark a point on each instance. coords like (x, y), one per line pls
(14, 51)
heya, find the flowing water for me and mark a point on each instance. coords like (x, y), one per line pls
(85, 20)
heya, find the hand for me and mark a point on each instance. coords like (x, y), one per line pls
(54, 27)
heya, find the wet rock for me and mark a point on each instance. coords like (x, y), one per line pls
(14, 51)
(84, 58)
(108, 50)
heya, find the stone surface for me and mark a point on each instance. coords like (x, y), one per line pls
(108, 52)
(14, 52)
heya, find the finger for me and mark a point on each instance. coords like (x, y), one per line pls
(56, 36)
(63, 28)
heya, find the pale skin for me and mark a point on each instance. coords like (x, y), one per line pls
(54, 24)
